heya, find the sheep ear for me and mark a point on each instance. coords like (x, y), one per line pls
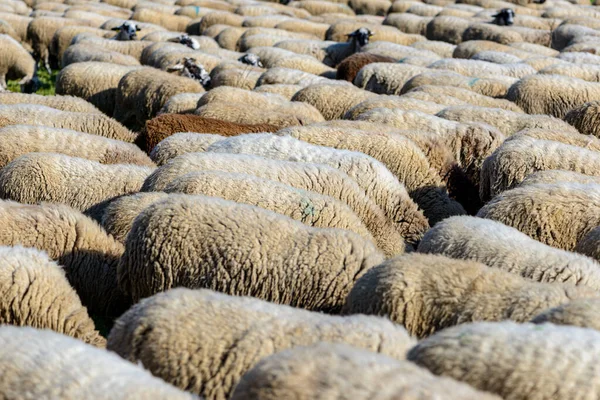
(371, 34)
(137, 28)
(116, 28)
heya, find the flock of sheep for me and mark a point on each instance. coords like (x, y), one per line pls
(341, 199)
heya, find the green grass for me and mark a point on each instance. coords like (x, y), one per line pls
(47, 83)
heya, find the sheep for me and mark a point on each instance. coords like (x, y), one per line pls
(564, 136)
(58, 178)
(272, 57)
(496, 57)
(79, 53)
(483, 69)
(35, 292)
(243, 78)
(446, 292)
(579, 58)
(386, 78)
(163, 126)
(332, 101)
(553, 176)
(251, 59)
(515, 361)
(189, 67)
(317, 178)
(507, 122)
(17, 140)
(399, 52)
(40, 32)
(408, 23)
(514, 34)
(442, 49)
(340, 29)
(290, 76)
(44, 364)
(318, 7)
(586, 72)
(493, 87)
(567, 93)
(468, 49)
(141, 269)
(16, 63)
(255, 329)
(142, 93)
(588, 245)
(177, 23)
(63, 103)
(304, 26)
(343, 371)
(399, 155)
(505, 248)
(557, 214)
(127, 31)
(33, 114)
(95, 82)
(371, 175)
(464, 95)
(393, 102)
(564, 35)
(579, 312)
(132, 48)
(89, 256)
(63, 37)
(584, 117)
(219, 17)
(506, 16)
(287, 91)
(183, 103)
(446, 28)
(515, 159)
(471, 143)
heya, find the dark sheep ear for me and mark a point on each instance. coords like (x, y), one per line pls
(116, 28)
(137, 28)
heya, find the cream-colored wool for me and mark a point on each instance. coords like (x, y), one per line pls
(182, 143)
(289, 76)
(310, 208)
(143, 92)
(426, 293)
(63, 37)
(515, 159)
(35, 292)
(447, 28)
(337, 371)
(579, 312)
(17, 140)
(386, 78)
(483, 69)
(317, 178)
(558, 215)
(399, 155)
(403, 102)
(507, 122)
(16, 62)
(79, 53)
(225, 336)
(497, 86)
(95, 82)
(272, 57)
(252, 252)
(88, 255)
(499, 246)
(41, 364)
(77, 182)
(183, 103)
(590, 243)
(371, 175)
(33, 114)
(170, 22)
(287, 91)
(133, 48)
(63, 103)
(585, 118)
(516, 361)
(555, 176)
(565, 136)
(332, 101)
(442, 49)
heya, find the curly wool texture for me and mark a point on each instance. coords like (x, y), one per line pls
(579, 312)
(163, 126)
(143, 92)
(317, 178)
(497, 86)
(17, 140)
(35, 292)
(371, 175)
(559, 215)
(470, 143)
(552, 94)
(515, 159)
(585, 118)
(76, 182)
(516, 361)
(507, 122)
(95, 82)
(464, 95)
(386, 78)
(349, 67)
(310, 208)
(255, 329)
(182, 143)
(88, 254)
(555, 176)
(401, 157)
(499, 246)
(566, 137)
(426, 293)
(45, 364)
(332, 101)
(341, 371)
(95, 124)
(63, 103)
(167, 248)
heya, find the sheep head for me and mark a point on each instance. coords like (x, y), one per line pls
(360, 36)
(186, 40)
(251, 59)
(190, 68)
(127, 31)
(506, 16)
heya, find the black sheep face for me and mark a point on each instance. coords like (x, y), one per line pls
(190, 68)
(506, 16)
(30, 86)
(127, 31)
(251, 59)
(361, 36)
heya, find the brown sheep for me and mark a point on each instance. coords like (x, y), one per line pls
(166, 125)
(349, 67)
